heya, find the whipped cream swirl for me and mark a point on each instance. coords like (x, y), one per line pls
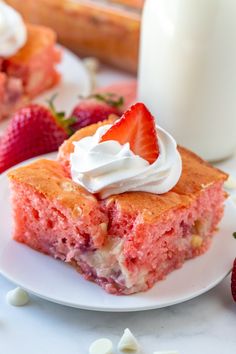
(109, 168)
(13, 34)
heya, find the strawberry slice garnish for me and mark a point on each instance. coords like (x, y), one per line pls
(136, 127)
(233, 281)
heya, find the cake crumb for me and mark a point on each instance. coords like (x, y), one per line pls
(230, 183)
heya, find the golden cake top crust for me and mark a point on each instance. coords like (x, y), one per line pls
(38, 38)
(197, 175)
(49, 178)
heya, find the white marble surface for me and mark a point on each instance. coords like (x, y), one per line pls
(205, 325)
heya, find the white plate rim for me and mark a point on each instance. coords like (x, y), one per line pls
(118, 310)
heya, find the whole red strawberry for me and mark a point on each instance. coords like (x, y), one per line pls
(33, 130)
(96, 108)
(233, 281)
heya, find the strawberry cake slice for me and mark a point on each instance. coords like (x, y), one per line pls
(127, 241)
(30, 71)
(35, 63)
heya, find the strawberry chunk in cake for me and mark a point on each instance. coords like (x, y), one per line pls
(125, 242)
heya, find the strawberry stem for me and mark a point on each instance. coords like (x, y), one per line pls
(60, 117)
(234, 234)
(109, 98)
(50, 103)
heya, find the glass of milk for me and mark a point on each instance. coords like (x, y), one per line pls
(187, 72)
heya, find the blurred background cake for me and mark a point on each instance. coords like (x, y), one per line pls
(108, 30)
(28, 58)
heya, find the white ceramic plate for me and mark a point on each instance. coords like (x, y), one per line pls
(229, 166)
(55, 281)
(75, 81)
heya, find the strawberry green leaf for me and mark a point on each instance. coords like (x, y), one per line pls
(60, 117)
(109, 98)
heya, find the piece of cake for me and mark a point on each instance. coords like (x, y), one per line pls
(126, 242)
(35, 63)
(55, 216)
(30, 71)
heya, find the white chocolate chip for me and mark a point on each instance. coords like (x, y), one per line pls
(67, 186)
(110, 201)
(17, 297)
(230, 183)
(78, 210)
(88, 197)
(167, 352)
(101, 346)
(103, 226)
(128, 342)
(207, 185)
(196, 241)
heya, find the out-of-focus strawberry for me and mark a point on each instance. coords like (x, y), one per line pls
(127, 89)
(33, 130)
(136, 127)
(96, 108)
